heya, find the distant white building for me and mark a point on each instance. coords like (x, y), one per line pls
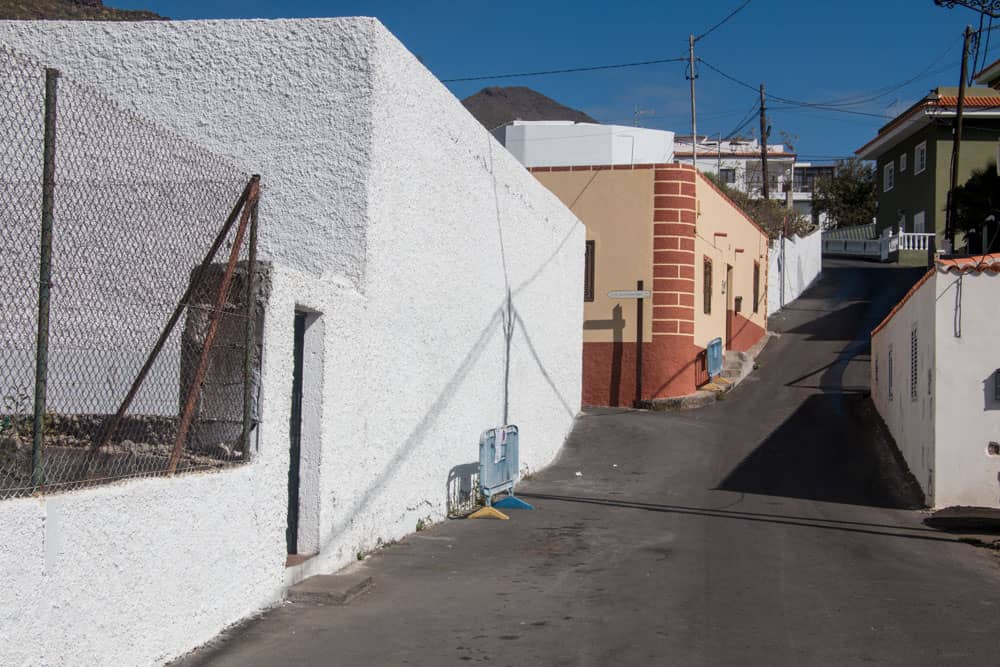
(737, 163)
(935, 378)
(563, 143)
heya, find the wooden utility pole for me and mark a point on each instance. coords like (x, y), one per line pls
(956, 144)
(694, 117)
(763, 144)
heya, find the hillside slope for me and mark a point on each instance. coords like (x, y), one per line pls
(498, 105)
(85, 10)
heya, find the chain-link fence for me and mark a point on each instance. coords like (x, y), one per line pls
(132, 300)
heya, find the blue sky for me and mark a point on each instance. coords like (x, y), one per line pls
(803, 50)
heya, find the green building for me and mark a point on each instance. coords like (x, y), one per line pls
(913, 154)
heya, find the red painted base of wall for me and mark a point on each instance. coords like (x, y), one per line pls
(671, 366)
(743, 333)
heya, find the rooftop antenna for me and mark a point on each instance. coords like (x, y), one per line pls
(641, 112)
(990, 8)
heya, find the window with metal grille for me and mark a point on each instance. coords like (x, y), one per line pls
(756, 286)
(913, 363)
(707, 291)
(588, 273)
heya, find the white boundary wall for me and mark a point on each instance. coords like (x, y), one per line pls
(803, 264)
(405, 243)
(910, 421)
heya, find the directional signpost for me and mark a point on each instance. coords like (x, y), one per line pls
(638, 294)
(630, 293)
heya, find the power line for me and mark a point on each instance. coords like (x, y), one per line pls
(745, 121)
(720, 23)
(786, 100)
(564, 71)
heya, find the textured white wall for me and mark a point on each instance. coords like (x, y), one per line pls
(802, 266)
(911, 421)
(968, 417)
(406, 244)
(561, 143)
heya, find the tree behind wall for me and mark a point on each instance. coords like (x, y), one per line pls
(977, 204)
(770, 214)
(849, 198)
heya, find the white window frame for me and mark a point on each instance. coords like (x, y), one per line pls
(902, 163)
(919, 165)
(888, 177)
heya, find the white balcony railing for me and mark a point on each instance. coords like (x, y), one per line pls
(913, 241)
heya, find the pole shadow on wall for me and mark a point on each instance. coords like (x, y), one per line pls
(617, 326)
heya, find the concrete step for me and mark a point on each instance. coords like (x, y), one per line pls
(332, 589)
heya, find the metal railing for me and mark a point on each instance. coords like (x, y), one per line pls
(129, 334)
(498, 461)
(713, 358)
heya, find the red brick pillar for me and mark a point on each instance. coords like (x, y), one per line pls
(672, 370)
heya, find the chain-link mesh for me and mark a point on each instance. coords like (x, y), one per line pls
(136, 210)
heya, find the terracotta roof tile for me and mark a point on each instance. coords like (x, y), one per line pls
(976, 263)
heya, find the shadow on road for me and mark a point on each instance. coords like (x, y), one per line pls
(822, 454)
(830, 449)
(884, 530)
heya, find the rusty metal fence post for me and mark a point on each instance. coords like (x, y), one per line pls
(194, 391)
(250, 348)
(44, 275)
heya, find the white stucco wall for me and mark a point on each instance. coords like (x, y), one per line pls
(565, 143)
(405, 245)
(910, 420)
(803, 262)
(968, 418)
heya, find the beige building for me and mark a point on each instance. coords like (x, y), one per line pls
(704, 262)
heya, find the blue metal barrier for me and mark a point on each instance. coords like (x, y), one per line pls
(714, 357)
(498, 466)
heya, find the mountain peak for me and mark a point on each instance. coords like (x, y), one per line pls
(498, 105)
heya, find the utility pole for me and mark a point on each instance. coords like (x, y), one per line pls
(719, 161)
(956, 144)
(694, 117)
(763, 144)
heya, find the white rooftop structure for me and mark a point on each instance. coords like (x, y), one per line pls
(563, 143)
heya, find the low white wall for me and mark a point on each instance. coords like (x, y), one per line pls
(133, 574)
(803, 262)
(405, 244)
(968, 416)
(564, 143)
(911, 421)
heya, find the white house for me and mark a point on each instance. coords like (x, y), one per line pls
(441, 288)
(737, 163)
(935, 378)
(564, 143)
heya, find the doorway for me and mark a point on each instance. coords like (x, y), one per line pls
(730, 305)
(304, 441)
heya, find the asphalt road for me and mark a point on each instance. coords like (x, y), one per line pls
(767, 529)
